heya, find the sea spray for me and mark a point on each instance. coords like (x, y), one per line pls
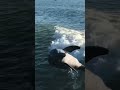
(74, 76)
(64, 37)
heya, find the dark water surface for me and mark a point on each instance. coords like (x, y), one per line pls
(105, 5)
(16, 45)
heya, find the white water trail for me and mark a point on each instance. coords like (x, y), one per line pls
(64, 37)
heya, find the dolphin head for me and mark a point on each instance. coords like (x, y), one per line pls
(55, 57)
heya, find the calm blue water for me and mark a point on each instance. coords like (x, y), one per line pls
(66, 13)
(48, 14)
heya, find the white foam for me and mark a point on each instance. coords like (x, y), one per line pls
(64, 37)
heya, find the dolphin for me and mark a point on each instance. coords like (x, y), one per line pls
(60, 58)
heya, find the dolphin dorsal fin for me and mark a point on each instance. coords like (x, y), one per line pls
(94, 51)
(71, 48)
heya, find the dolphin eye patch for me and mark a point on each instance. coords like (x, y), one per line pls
(62, 55)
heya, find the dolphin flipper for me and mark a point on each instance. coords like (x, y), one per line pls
(94, 51)
(71, 48)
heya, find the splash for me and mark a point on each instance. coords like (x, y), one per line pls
(76, 82)
(73, 74)
(64, 37)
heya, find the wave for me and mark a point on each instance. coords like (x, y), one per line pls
(64, 37)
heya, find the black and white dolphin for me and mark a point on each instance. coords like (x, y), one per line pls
(60, 58)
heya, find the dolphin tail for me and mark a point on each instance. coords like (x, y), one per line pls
(94, 51)
(71, 48)
(82, 68)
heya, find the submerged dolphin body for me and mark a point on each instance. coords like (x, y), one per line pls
(60, 58)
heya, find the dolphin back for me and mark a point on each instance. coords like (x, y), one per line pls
(71, 48)
(94, 51)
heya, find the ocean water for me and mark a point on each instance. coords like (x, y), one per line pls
(16, 45)
(67, 13)
(58, 24)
